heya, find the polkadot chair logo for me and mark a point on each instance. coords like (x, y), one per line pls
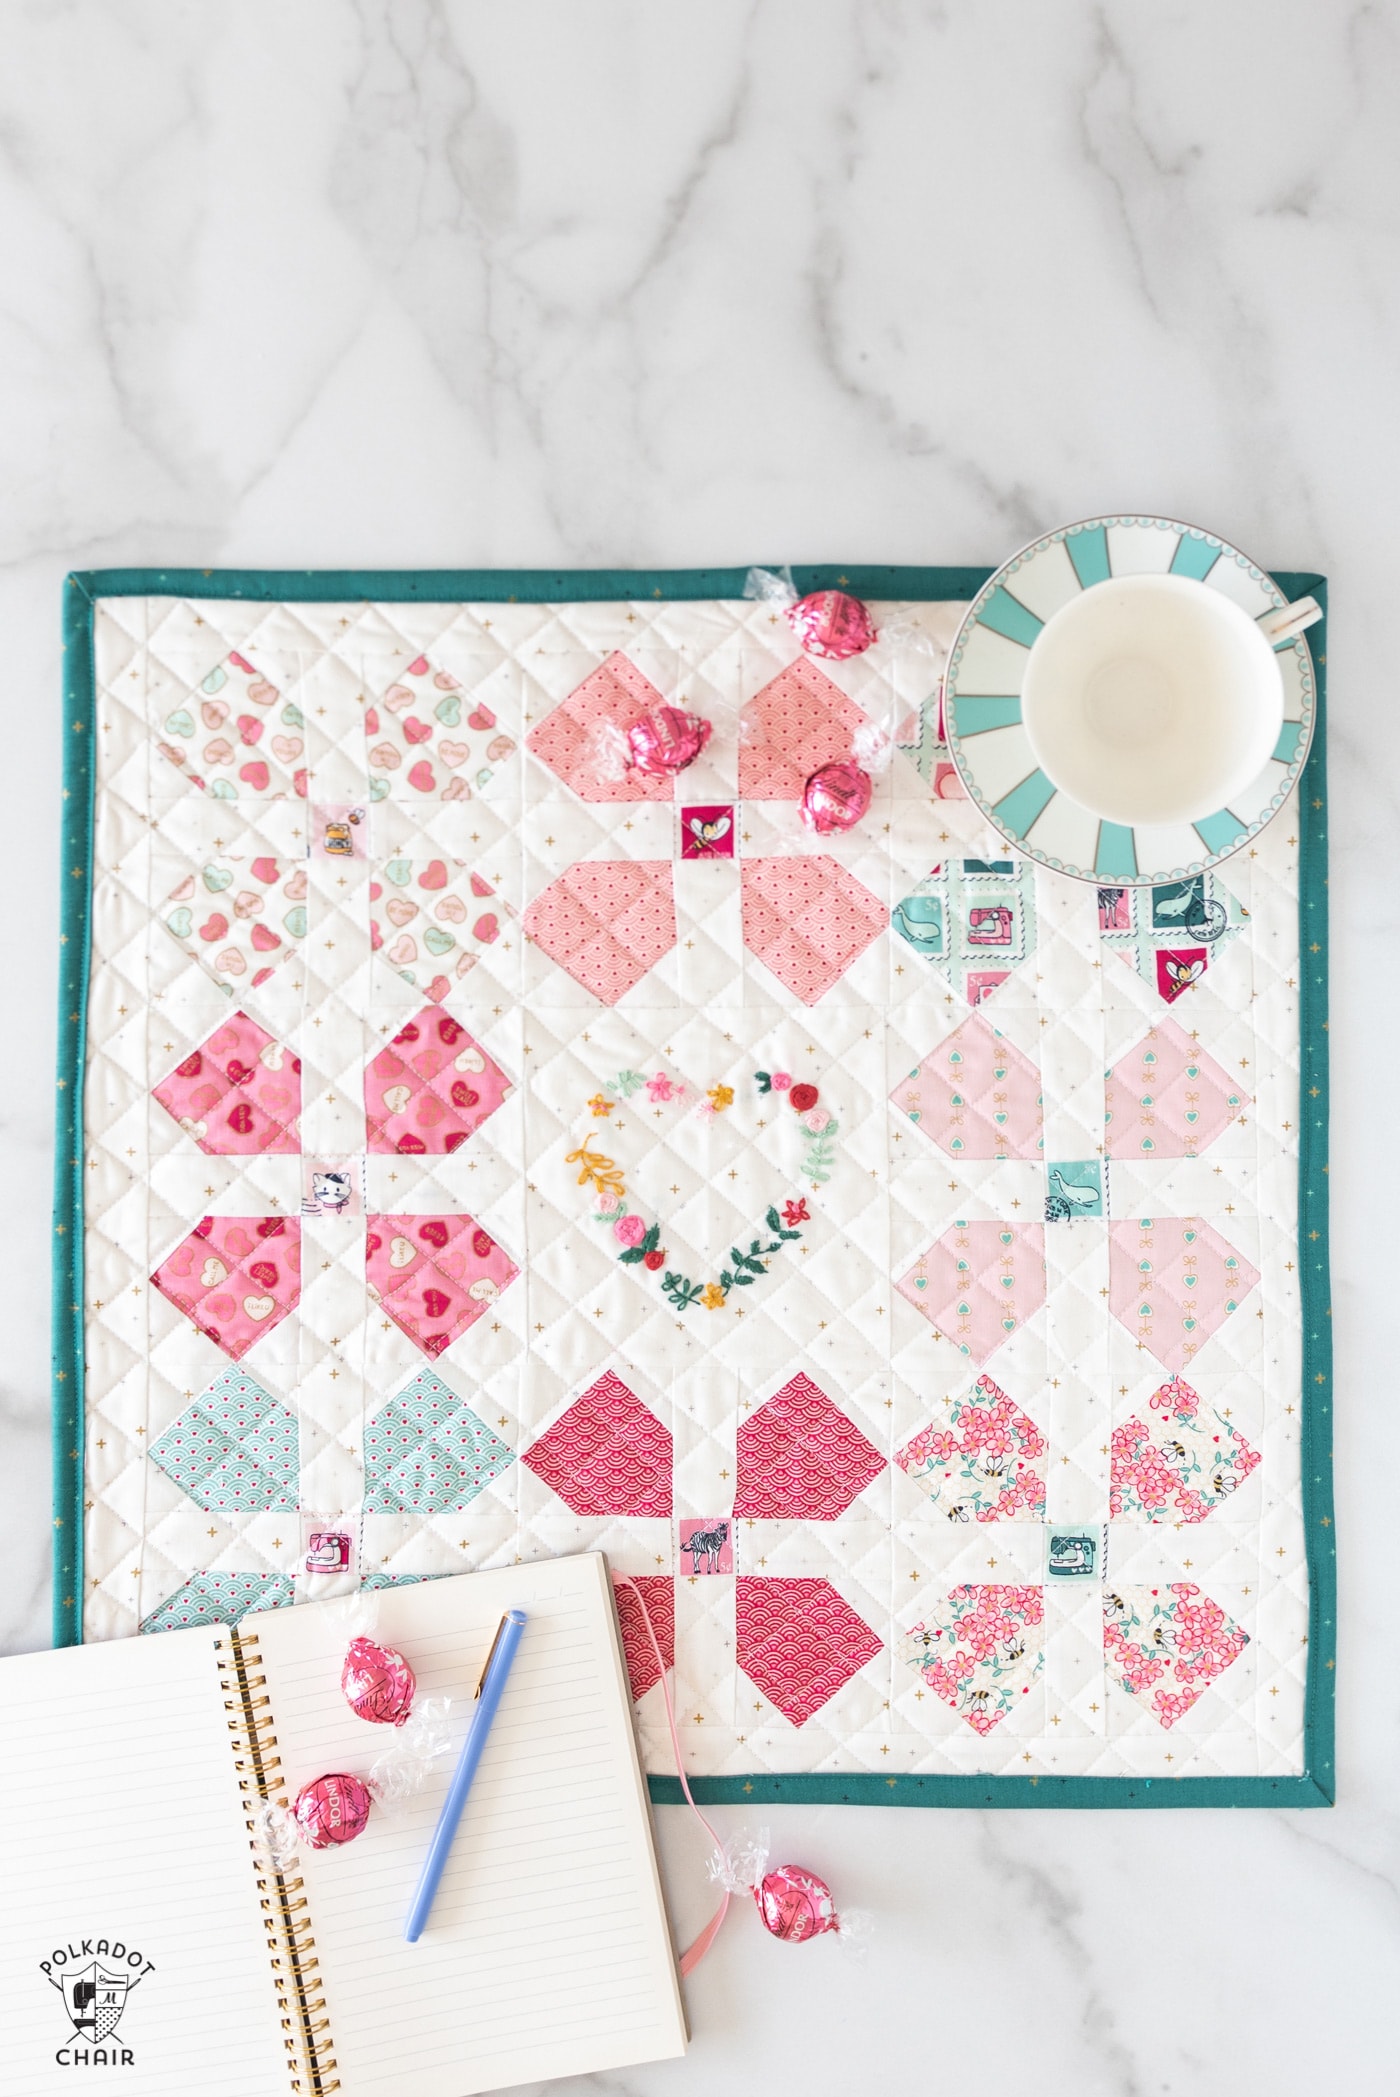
(95, 1977)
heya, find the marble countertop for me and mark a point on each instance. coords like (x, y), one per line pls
(429, 283)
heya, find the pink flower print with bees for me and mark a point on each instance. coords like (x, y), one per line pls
(1180, 1464)
(1166, 1645)
(236, 738)
(427, 738)
(431, 921)
(239, 919)
(981, 1650)
(982, 1461)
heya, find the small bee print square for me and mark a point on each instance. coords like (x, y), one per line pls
(707, 832)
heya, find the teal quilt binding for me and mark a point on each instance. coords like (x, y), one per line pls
(1316, 1786)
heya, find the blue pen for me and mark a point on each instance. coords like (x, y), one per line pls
(488, 1696)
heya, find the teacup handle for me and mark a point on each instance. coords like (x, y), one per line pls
(1286, 621)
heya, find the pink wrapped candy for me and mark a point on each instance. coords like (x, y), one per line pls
(795, 1904)
(835, 797)
(378, 1683)
(667, 740)
(332, 1809)
(832, 624)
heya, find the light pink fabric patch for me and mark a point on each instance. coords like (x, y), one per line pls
(979, 1283)
(235, 1277)
(607, 921)
(807, 920)
(571, 739)
(799, 721)
(425, 735)
(1167, 1098)
(434, 1275)
(240, 1091)
(976, 1095)
(801, 1459)
(607, 1455)
(1173, 1282)
(431, 1088)
(799, 1642)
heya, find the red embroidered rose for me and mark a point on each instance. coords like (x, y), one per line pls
(652, 1260)
(803, 1097)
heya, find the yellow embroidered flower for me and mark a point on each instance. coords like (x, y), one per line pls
(599, 1105)
(713, 1295)
(720, 1097)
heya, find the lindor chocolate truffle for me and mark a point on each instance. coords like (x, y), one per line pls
(666, 740)
(378, 1683)
(835, 797)
(831, 624)
(795, 1904)
(332, 1809)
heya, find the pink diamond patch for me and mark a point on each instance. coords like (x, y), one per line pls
(807, 920)
(799, 1642)
(801, 1459)
(1167, 1644)
(431, 1088)
(1167, 1098)
(1180, 1464)
(981, 1649)
(979, 1461)
(976, 1095)
(979, 1283)
(607, 921)
(607, 1455)
(1173, 1282)
(235, 1277)
(799, 721)
(434, 1275)
(658, 1598)
(573, 739)
(240, 1091)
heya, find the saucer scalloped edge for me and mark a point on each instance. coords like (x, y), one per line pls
(982, 702)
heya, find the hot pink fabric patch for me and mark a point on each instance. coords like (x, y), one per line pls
(607, 1455)
(607, 921)
(800, 1458)
(431, 1088)
(659, 1600)
(807, 920)
(799, 721)
(238, 1091)
(235, 1277)
(573, 739)
(976, 1095)
(1172, 1282)
(1167, 1098)
(799, 1642)
(979, 1283)
(434, 1275)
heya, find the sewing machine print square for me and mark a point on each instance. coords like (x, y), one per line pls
(1075, 1189)
(707, 832)
(1076, 1554)
(707, 1546)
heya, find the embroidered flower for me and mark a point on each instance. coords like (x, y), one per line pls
(609, 1204)
(720, 1097)
(712, 1296)
(600, 1104)
(660, 1087)
(629, 1230)
(795, 1212)
(816, 1119)
(654, 1259)
(781, 1080)
(803, 1097)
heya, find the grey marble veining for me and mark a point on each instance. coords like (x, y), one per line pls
(434, 283)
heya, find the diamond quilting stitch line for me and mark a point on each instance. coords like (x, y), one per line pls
(1173, 1281)
(979, 1283)
(980, 1461)
(807, 919)
(800, 721)
(236, 738)
(606, 1454)
(434, 1275)
(431, 921)
(219, 1596)
(1168, 1098)
(976, 1096)
(607, 922)
(431, 1088)
(427, 1453)
(238, 1092)
(235, 1450)
(799, 1641)
(235, 1277)
(799, 1458)
(239, 921)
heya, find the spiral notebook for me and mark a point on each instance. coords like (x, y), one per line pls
(141, 1937)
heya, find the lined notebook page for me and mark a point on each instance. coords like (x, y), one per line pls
(547, 1952)
(121, 1818)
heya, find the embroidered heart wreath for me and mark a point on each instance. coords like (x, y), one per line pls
(639, 1242)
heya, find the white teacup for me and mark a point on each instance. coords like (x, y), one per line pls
(1154, 699)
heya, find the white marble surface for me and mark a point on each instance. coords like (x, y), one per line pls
(437, 282)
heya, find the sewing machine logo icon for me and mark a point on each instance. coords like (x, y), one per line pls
(94, 1999)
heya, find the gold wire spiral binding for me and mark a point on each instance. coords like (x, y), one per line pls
(286, 1915)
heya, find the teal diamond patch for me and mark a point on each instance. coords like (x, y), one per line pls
(427, 1452)
(235, 1450)
(220, 1598)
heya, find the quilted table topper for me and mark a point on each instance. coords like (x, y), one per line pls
(907, 1263)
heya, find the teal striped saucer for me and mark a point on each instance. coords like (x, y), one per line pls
(982, 702)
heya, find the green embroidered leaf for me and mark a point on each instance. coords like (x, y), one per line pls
(629, 1258)
(626, 1082)
(650, 1241)
(743, 1281)
(773, 1222)
(726, 1281)
(765, 1083)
